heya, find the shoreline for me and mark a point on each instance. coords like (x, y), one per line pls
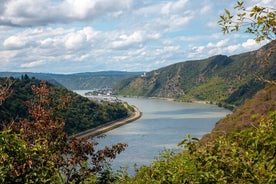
(225, 106)
(170, 99)
(108, 126)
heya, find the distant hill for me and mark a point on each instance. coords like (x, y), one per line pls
(218, 79)
(79, 115)
(85, 81)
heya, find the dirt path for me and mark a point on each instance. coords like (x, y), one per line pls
(109, 126)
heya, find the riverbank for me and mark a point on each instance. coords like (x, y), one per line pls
(109, 126)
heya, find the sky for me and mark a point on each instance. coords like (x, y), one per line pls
(73, 36)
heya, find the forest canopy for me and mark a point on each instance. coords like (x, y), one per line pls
(79, 113)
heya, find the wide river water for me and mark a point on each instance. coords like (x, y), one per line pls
(162, 126)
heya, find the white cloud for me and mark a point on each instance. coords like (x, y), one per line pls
(128, 40)
(168, 16)
(149, 9)
(218, 44)
(31, 64)
(37, 37)
(232, 48)
(14, 42)
(154, 36)
(83, 57)
(137, 52)
(212, 24)
(88, 9)
(250, 43)
(74, 40)
(133, 40)
(199, 49)
(265, 3)
(43, 12)
(176, 22)
(170, 23)
(7, 55)
(205, 9)
(48, 42)
(222, 43)
(28, 12)
(225, 46)
(173, 7)
(89, 33)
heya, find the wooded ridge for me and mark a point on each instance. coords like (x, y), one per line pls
(79, 114)
(219, 79)
(78, 81)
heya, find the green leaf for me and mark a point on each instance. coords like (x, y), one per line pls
(195, 139)
(227, 12)
(184, 141)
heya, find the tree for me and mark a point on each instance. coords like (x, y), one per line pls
(5, 90)
(39, 151)
(258, 20)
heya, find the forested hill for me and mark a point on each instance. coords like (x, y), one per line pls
(79, 114)
(248, 115)
(219, 79)
(88, 80)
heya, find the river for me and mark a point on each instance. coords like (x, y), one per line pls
(162, 126)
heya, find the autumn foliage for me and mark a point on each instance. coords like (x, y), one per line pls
(39, 151)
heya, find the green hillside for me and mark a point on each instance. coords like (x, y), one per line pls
(79, 114)
(218, 79)
(78, 81)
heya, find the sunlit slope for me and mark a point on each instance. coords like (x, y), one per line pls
(219, 79)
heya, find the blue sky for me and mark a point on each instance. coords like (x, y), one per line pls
(72, 36)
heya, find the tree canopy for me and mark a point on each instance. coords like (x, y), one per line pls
(37, 150)
(79, 114)
(257, 20)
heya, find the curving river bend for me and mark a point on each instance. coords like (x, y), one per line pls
(162, 126)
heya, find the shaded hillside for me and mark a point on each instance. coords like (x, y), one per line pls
(216, 79)
(79, 114)
(248, 115)
(89, 80)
